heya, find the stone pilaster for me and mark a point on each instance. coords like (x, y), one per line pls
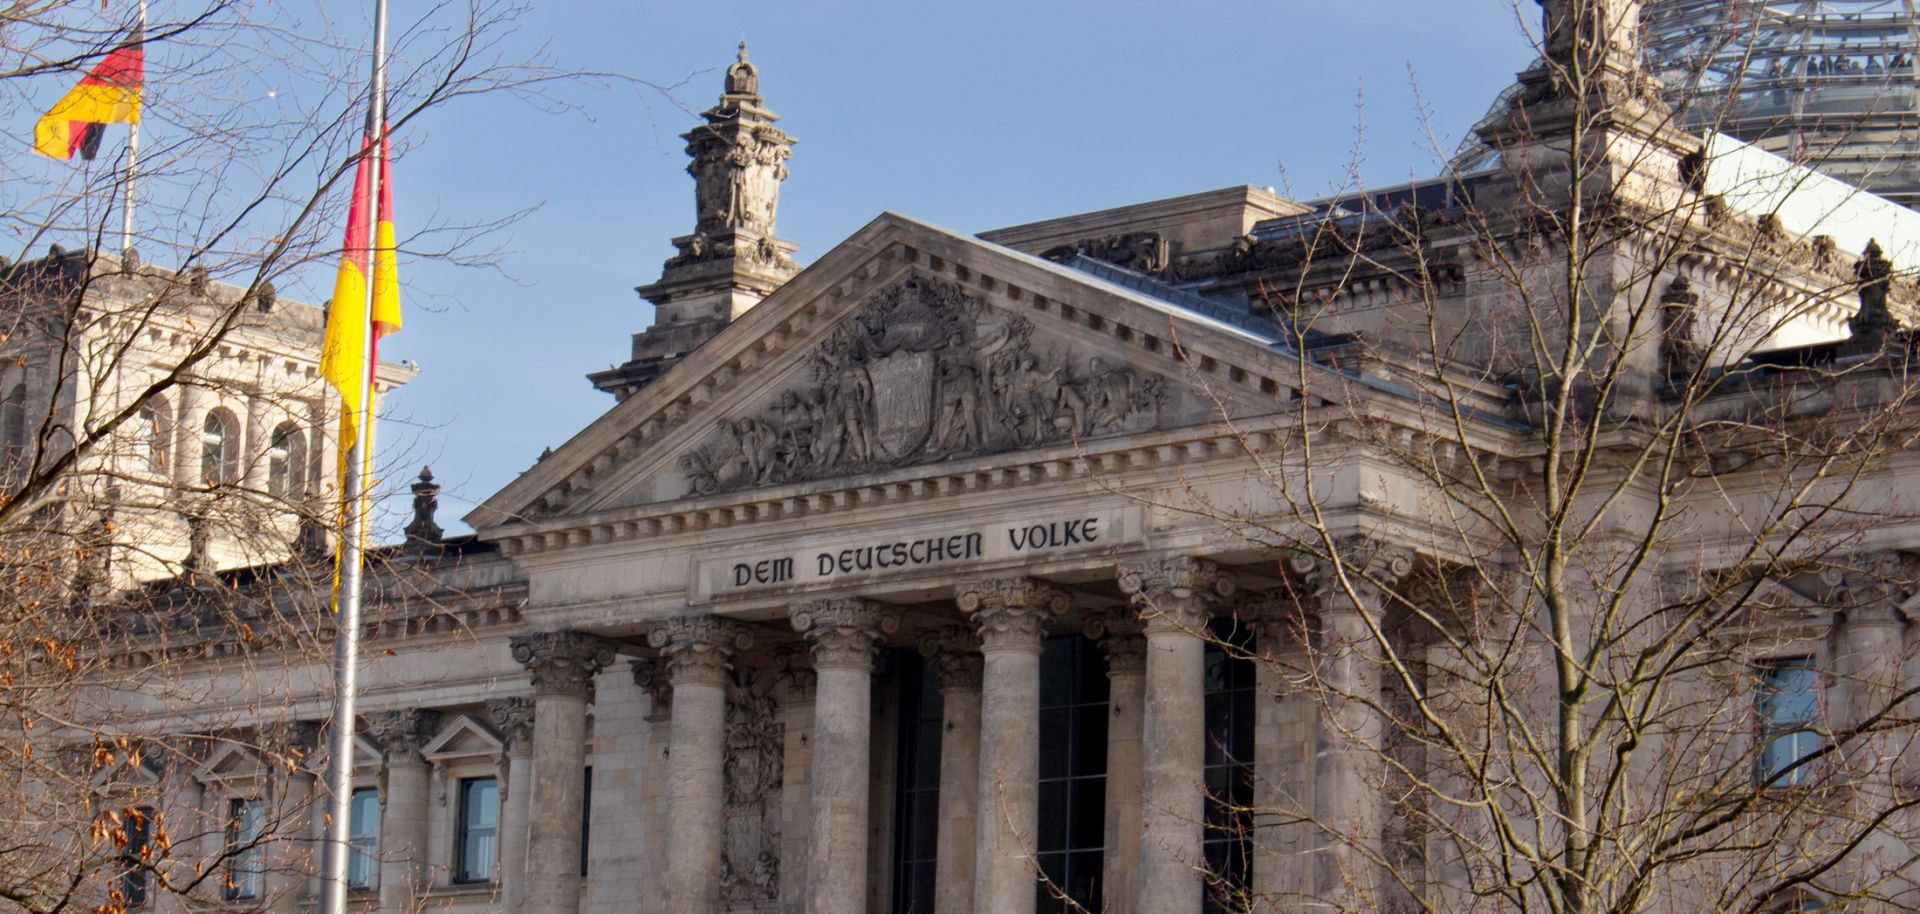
(514, 718)
(797, 688)
(406, 859)
(954, 652)
(698, 650)
(1011, 615)
(1122, 637)
(1286, 724)
(843, 634)
(1175, 597)
(294, 859)
(1348, 812)
(562, 666)
(650, 674)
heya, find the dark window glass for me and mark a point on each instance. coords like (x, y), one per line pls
(1073, 772)
(244, 854)
(363, 833)
(586, 819)
(917, 801)
(1229, 766)
(479, 820)
(138, 825)
(1787, 703)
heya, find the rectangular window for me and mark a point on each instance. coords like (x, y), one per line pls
(363, 834)
(1787, 704)
(245, 874)
(917, 801)
(479, 820)
(586, 819)
(1228, 845)
(1073, 772)
(133, 880)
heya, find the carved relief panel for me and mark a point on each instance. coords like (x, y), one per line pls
(750, 852)
(920, 373)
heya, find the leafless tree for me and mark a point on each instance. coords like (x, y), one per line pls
(1598, 550)
(168, 463)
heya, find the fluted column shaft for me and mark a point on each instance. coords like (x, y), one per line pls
(563, 666)
(1119, 632)
(843, 634)
(698, 650)
(406, 859)
(1175, 597)
(1011, 616)
(514, 718)
(955, 654)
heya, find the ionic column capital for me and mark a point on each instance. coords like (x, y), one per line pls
(797, 680)
(699, 648)
(1278, 618)
(403, 734)
(514, 718)
(844, 631)
(1011, 613)
(1361, 569)
(1176, 593)
(650, 673)
(1122, 635)
(955, 652)
(564, 662)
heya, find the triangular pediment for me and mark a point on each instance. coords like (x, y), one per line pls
(905, 346)
(464, 737)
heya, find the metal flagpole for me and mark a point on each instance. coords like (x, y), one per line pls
(346, 639)
(133, 157)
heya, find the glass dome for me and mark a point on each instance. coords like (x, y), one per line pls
(1827, 83)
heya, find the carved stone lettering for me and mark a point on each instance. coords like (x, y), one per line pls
(922, 372)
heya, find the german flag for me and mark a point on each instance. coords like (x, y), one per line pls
(352, 346)
(109, 94)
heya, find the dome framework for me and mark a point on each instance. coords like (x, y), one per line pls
(1826, 83)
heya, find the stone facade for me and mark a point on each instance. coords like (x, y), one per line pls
(943, 491)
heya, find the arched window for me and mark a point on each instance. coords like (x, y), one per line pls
(286, 461)
(149, 437)
(220, 449)
(13, 422)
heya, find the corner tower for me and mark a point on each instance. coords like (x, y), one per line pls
(732, 259)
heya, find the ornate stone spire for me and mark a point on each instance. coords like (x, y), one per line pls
(733, 258)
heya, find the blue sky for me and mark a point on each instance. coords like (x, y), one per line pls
(968, 115)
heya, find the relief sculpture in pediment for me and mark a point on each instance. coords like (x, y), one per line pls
(923, 372)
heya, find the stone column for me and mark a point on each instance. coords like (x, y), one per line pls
(258, 435)
(514, 718)
(650, 674)
(1175, 597)
(844, 633)
(698, 650)
(955, 653)
(1286, 721)
(1348, 811)
(293, 860)
(1120, 634)
(798, 686)
(188, 418)
(406, 860)
(562, 666)
(1011, 615)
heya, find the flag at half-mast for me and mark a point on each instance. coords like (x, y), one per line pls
(352, 345)
(108, 94)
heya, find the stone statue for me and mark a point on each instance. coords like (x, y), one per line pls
(423, 530)
(921, 372)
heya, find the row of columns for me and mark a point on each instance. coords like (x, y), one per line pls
(989, 675)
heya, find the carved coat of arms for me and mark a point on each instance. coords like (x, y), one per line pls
(922, 372)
